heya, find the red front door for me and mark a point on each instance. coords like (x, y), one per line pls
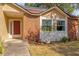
(16, 27)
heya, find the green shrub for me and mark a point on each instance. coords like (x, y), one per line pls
(64, 39)
(1, 47)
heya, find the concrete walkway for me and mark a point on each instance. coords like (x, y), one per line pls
(16, 47)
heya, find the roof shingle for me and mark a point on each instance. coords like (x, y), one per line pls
(33, 10)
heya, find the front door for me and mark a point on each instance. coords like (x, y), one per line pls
(14, 28)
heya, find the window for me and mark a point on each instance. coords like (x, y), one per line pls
(60, 25)
(47, 25)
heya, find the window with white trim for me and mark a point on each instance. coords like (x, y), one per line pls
(60, 25)
(46, 25)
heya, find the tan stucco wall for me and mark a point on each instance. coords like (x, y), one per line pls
(3, 29)
(10, 7)
(5, 17)
(31, 27)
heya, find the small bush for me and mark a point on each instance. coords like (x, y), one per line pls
(1, 47)
(64, 39)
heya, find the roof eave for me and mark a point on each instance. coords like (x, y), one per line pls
(53, 8)
(38, 14)
(26, 10)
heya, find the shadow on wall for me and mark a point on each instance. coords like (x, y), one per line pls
(33, 36)
(33, 33)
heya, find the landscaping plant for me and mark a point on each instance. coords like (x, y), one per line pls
(1, 47)
(64, 39)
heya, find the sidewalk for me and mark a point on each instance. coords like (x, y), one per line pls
(16, 47)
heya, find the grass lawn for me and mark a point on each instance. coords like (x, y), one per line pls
(55, 49)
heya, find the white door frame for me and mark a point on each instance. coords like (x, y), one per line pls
(16, 35)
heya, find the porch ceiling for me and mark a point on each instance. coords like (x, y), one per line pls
(13, 14)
